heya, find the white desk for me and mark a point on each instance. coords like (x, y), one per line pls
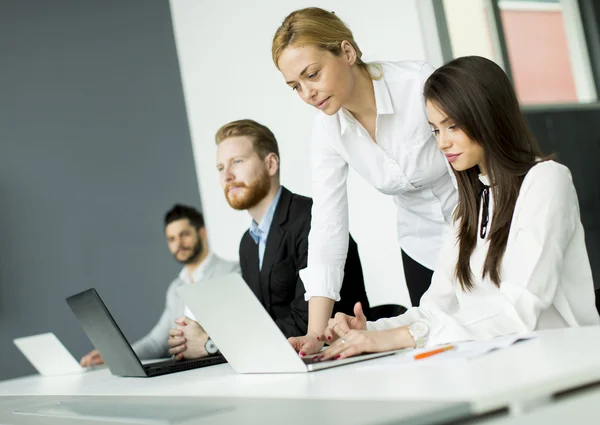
(580, 408)
(513, 377)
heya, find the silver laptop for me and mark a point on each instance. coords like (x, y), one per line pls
(243, 330)
(48, 355)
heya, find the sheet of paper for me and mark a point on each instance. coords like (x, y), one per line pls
(462, 351)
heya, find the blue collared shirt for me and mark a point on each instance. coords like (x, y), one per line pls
(260, 232)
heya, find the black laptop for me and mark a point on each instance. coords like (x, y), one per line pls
(102, 330)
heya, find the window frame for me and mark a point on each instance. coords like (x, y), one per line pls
(583, 38)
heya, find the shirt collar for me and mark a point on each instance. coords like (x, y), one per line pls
(383, 99)
(198, 274)
(261, 231)
(346, 120)
(383, 103)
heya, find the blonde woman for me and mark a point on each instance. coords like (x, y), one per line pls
(372, 118)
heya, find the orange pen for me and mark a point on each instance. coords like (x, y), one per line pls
(433, 352)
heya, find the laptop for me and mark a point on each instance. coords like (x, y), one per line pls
(105, 334)
(48, 355)
(245, 332)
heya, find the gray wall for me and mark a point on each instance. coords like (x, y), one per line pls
(94, 148)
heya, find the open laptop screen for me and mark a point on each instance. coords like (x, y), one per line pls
(105, 334)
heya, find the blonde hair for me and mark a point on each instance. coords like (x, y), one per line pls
(263, 139)
(315, 27)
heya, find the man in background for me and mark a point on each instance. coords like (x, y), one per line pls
(177, 333)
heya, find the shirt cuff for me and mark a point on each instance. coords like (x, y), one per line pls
(443, 329)
(322, 281)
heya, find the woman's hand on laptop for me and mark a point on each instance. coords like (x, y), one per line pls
(357, 342)
(341, 324)
(187, 340)
(93, 358)
(310, 343)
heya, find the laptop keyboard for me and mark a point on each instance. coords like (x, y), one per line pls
(179, 365)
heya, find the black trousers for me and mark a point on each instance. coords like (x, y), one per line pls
(418, 278)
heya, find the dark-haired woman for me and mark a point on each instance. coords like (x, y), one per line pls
(516, 260)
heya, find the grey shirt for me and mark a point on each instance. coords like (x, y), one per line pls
(154, 345)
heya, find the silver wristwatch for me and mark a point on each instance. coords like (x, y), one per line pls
(419, 331)
(210, 347)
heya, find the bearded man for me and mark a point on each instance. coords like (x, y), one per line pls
(274, 249)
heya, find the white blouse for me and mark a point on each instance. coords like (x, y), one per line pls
(404, 163)
(546, 279)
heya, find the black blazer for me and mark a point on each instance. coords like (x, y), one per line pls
(278, 285)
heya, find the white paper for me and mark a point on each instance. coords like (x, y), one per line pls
(461, 351)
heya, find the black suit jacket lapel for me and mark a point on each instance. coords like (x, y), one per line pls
(274, 240)
(251, 256)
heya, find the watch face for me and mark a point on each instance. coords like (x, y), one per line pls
(419, 329)
(210, 347)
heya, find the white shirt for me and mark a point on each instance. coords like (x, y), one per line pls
(546, 279)
(404, 163)
(203, 271)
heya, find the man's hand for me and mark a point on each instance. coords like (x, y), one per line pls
(93, 358)
(187, 340)
(341, 324)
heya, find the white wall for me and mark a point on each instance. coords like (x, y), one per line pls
(224, 53)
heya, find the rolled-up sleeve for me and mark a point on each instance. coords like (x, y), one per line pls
(328, 237)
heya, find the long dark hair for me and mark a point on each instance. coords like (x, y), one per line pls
(478, 97)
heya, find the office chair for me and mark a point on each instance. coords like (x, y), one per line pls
(385, 310)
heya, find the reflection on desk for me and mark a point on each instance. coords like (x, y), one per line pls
(580, 407)
(211, 410)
